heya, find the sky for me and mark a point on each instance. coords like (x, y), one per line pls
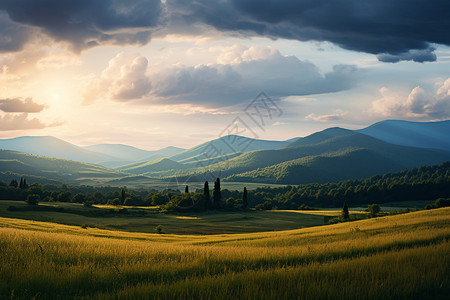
(152, 73)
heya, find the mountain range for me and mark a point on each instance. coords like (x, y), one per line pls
(330, 155)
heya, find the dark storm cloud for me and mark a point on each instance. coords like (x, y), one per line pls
(388, 28)
(17, 105)
(394, 30)
(12, 35)
(86, 23)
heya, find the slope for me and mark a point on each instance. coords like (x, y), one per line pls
(415, 134)
(53, 147)
(330, 167)
(129, 153)
(227, 145)
(334, 142)
(161, 164)
(49, 167)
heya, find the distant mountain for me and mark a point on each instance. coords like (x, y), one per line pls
(415, 134)
(333, 153)
(53, 168)
(131, 154)
(227, 145)
(53, 147)
(330, 155)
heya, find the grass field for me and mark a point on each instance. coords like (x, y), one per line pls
(146, 219)
(397, 257)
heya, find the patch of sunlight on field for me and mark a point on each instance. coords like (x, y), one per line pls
(186, 218)
(329, 213)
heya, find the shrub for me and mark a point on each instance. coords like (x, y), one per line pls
(373, 209)
(442, 202)
(12, 208)
(264, 206)
(159, 229)
(87, 203)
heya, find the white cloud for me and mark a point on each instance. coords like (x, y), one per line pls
(125, 79)
(279, 123)
(241, 75)
(418, 104)
(337, 115)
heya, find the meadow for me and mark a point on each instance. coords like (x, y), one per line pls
(394, 257)
(145, 219)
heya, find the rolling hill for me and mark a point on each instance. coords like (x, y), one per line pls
(227, 145)
(326, 154)
(53, 147)
(414, 134)
(329, 155)
(53, 168)
(125, 154)
(160, 164)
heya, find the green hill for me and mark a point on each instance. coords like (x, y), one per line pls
(322, 156)
(226, 145)
(330, 167)
(53, 168)
(161, 164)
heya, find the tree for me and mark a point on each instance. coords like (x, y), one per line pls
(206, 194)
(115, 201)
(373, 209)
(35, 188)
(21, 183)
(345, 214)
(216, 193)
(64, 196)
(267, 205)
(229, 203)
(186, 189)
(33, 199)
(14, 183)
(122, 196)
(244, 198)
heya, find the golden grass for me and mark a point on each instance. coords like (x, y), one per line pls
(396, 257)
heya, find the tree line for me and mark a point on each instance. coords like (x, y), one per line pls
(423, 183)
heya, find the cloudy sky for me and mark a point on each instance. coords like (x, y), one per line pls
(154, 73)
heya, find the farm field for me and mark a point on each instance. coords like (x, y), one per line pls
(395, 257)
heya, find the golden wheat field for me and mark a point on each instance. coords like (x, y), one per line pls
(396, 257)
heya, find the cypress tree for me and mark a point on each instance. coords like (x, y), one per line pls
(186, 189)
(217, 194)
(25, 184)
(244, 198)
(206, 194)
(21, 183)
(122, 197)
(13, 183)
(345, 214)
